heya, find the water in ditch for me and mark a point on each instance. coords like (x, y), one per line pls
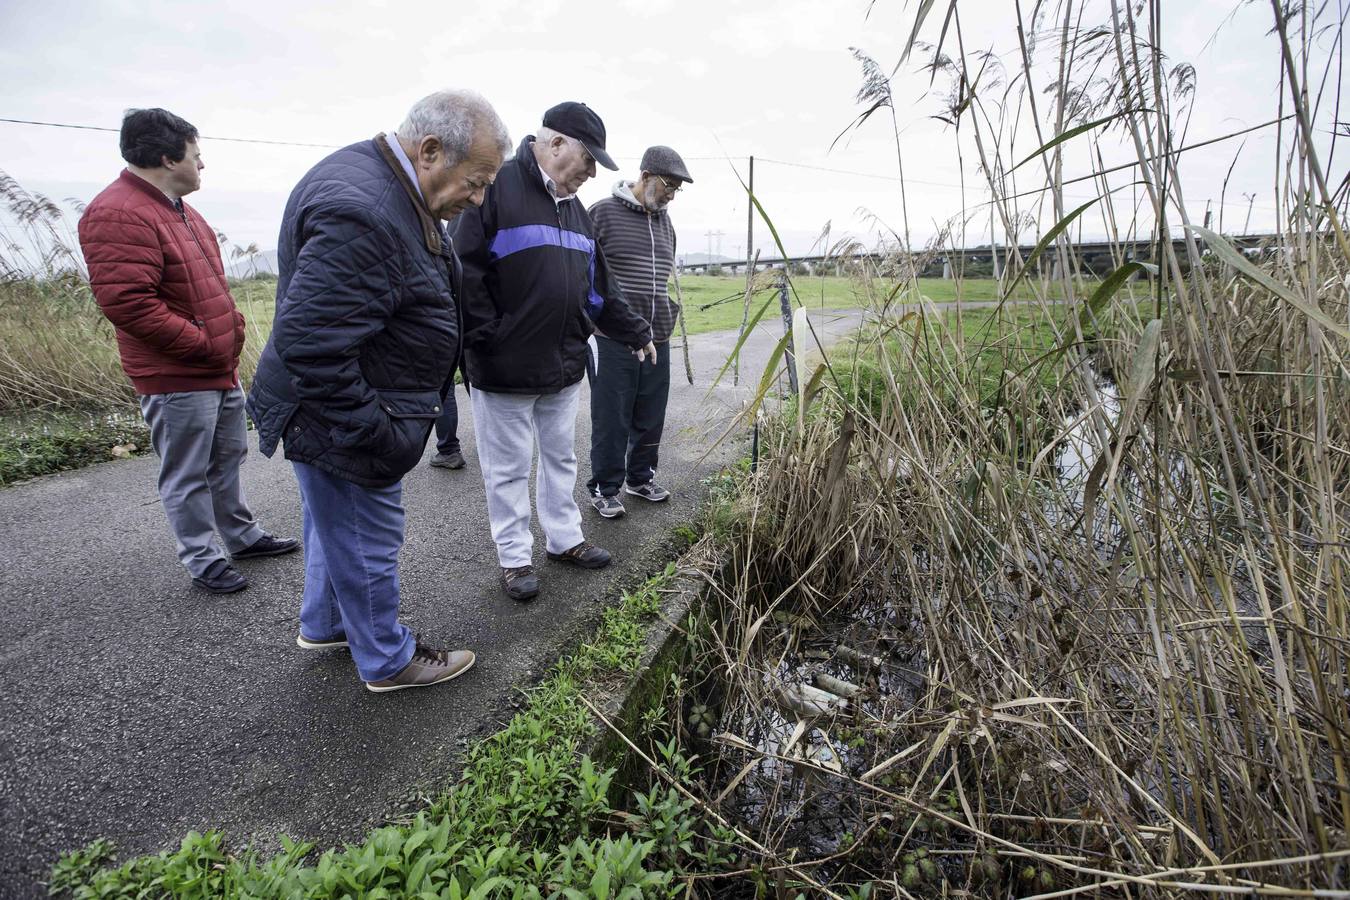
(846, 691)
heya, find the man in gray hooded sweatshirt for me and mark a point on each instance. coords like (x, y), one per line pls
(628, 399)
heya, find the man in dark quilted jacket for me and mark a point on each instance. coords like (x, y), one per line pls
(362, 354)
(156, 273)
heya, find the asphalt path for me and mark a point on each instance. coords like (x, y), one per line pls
(137, 708)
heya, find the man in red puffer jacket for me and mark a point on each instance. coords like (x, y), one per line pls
(156, 272)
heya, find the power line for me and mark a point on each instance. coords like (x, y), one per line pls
(209, 137)
(1034, 191)
(777, 162)
(205, 136)
(780, 162)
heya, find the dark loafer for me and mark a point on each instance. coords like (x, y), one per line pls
(221, 578)
(267, 546)
(585, 554)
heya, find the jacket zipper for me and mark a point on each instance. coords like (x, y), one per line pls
(448, 257)
(652, 235)
(182, 211)
(562, 330)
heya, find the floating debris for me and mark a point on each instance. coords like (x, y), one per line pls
(856, 658)
(837, 686)
(806, 701)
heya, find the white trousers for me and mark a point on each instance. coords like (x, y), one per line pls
(510, 429)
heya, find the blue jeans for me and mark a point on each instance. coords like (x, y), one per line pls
(352, 538)
(447, 441)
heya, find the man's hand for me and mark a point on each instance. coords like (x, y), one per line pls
(647, 352)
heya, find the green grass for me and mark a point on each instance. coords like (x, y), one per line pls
(1006, 365)
(40, 443)
(707, 307)
(714, 302)
(1017, 344)
(64, 400)
(60, 354)
(526, 819)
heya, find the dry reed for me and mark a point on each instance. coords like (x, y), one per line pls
(1105, 627)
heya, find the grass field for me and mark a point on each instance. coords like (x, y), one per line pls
(60, 353)
(711, 303)
(716, 303)
(64, 400)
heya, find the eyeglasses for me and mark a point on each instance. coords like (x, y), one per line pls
(666, 184)
(585, 154)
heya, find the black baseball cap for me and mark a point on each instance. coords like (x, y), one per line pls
(579, 122)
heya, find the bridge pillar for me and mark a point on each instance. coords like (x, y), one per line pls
(946, 268)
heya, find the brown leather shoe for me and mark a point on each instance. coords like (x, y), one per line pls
(427, 667)
(520, 582)
(585, 554)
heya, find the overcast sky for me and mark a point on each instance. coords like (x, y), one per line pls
(718, 81)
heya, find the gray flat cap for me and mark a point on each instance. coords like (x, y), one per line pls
(661, 160)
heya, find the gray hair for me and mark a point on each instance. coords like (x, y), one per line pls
(453, 118)
(545, 135)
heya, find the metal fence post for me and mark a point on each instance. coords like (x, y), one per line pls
(786, 307)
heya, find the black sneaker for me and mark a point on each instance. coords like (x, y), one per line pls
(585, 554)
(609, 507)
(452, 460)
(267, 545)
(221, 578)
(520, 582)
(651, 491)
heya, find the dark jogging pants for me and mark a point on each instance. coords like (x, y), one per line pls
(628, 413)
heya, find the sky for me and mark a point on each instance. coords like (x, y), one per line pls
(718, 81)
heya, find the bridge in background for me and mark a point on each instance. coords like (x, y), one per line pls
(1093, 257)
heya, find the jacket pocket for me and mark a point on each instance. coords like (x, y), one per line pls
(587, 325)
(239, 333)
(272, 423)
(410, 404)
(218, 335)
(411, 415)
(502, 332)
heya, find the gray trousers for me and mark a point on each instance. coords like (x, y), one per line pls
(509, 427)
(201, 440)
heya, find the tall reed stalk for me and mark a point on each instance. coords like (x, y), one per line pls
(57, 351)
(1108, 530)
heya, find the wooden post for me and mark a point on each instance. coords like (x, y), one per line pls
(684, 332)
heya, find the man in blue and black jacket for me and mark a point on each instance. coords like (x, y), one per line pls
(536, 286)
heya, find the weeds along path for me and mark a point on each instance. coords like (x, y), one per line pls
(137, 708)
